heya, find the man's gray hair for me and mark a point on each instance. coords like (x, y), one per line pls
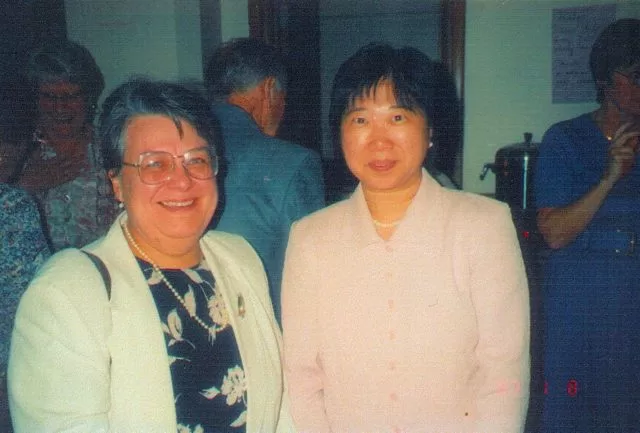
(240, 64)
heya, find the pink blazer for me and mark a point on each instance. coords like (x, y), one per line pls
(425, 332)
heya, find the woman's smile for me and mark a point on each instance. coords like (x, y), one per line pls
(384, 143)
(177, 204)
(382, 165)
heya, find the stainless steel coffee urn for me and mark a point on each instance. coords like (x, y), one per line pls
(513, 166)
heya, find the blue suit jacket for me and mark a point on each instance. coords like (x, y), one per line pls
(267, 185)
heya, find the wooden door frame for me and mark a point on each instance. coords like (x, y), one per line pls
(263, 25)
(452, 43)
(452, 40)
(263, 21)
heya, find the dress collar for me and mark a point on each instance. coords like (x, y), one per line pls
(423, 210)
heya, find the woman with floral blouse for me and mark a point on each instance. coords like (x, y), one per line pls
(23, 247)
(62, 166)
(22, 250)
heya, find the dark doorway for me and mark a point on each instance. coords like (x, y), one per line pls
(24, 24)
(294, 27)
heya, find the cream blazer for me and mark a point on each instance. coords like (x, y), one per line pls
(80, 363)
(425, 332)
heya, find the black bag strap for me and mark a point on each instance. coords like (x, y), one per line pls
(104, 272)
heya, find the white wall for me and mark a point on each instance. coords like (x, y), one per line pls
(157, 38)
(507, 65)
(508, 78)
(235, 19)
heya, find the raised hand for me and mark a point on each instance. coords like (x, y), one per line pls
(622, 152)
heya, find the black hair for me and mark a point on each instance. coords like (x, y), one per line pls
(142, 97)
(240, 64)
(411, 73)
(617, 47)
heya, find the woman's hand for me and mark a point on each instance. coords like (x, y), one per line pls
(622, 152)
(560, 226)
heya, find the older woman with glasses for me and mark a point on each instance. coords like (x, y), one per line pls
(587, 187)
(61, 164)
(158, 326)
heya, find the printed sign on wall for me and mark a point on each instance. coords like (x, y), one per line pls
(574, 31)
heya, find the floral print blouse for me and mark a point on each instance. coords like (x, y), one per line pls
(209, 386)
(81, 210)
(22, 250)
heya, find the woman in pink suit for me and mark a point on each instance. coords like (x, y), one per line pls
(405, 306)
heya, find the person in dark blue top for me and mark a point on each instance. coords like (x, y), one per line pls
(267, 183)
(587, 191)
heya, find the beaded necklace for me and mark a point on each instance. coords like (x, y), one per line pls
(190, 309)
(389, 225)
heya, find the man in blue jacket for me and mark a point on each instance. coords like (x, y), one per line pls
(267, 183)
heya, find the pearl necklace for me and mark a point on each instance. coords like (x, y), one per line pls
(390, 225)
(211, 330)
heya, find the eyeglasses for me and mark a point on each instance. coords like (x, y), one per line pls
(157, 167)
(633, 77)
(61, 98)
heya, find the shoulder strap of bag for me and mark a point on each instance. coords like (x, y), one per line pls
(104, 273)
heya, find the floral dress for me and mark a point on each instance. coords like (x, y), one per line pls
(81, 210)
(22, 250)
(209, 386)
